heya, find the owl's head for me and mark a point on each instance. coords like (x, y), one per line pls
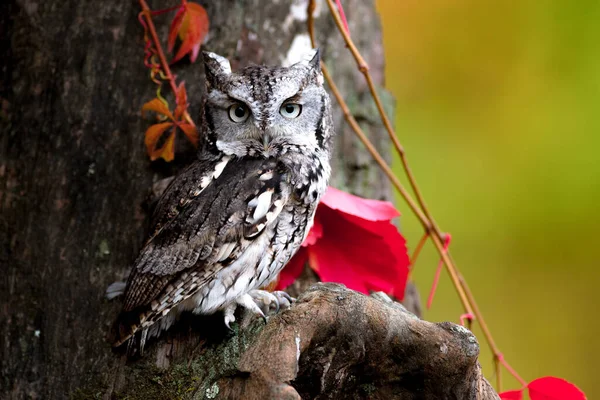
(263, 111)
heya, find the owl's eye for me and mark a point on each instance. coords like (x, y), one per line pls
(238, 112)
(290, 110)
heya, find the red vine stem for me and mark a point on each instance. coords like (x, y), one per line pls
(385, 167)
(465, 295)
(147, 13)
(417, 251)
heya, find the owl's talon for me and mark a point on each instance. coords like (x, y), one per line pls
(266, 301)
(284, 299)
(229, 315)
(249, 304)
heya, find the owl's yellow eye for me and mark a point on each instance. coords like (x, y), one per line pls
(238, 112)
(290, 110)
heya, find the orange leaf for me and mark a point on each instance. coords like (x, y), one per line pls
(153, 134)
(159, 107)
(167, 152)
(192, 29)
(175, 27)
(181, 99)
(190, 132)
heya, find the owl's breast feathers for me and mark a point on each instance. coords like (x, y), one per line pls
(204, 222)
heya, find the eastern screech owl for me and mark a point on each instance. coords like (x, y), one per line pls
(231, 221)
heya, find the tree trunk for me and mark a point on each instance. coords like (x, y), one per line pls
(74, 180)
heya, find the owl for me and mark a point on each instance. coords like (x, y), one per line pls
(229, 223)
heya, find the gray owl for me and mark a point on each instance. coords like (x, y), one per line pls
(231, 221)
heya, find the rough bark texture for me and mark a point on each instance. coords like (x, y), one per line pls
(74, 178)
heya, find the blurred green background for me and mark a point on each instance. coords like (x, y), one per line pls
(498, 107)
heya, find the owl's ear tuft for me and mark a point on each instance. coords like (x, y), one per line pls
(215, 66)
(311, 59)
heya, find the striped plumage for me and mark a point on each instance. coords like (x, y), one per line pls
(231, 221)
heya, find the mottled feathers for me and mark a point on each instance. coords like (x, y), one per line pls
(228, 224)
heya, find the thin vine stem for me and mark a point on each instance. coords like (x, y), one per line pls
(147, 13)
(384, 166)
(422, 213)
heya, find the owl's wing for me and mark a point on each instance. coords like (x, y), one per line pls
(202, 225)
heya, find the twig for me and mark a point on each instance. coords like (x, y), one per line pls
(418, 249)
(386, 168)
(423, 213)
(147, 12)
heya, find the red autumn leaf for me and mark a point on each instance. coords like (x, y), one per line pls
(190, 132)
(353, 242)
(180, 100)
(167, 151)
(159, 107)
(512, 395)
(293, 269)
(373, 210)
(191, 25)
(153, 135)
(551, 388)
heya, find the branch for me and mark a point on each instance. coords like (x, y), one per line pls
(333, 343)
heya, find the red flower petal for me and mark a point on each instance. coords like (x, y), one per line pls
(551, 388)
(293, 269)
(372, 210)
(512, 395)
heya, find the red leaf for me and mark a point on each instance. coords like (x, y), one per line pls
(167, 151)
(512, 395)
(551, 388)
(153, 134)
(353, 242)
(293, 269)
(191, 26)
(159, 107)
(175, 27)
(372, 210)
(364, 255)
(314, 234)
(190, 132)
(180, 100)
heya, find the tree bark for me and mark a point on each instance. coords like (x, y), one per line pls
(74, 180)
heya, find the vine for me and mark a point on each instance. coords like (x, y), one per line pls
(190, 25)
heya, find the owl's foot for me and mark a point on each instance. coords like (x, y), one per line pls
(229, 314)
(260, 303)
(271, 302)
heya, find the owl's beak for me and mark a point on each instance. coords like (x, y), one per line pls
(266, 140)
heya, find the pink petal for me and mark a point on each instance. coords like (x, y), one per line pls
(372, 210)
